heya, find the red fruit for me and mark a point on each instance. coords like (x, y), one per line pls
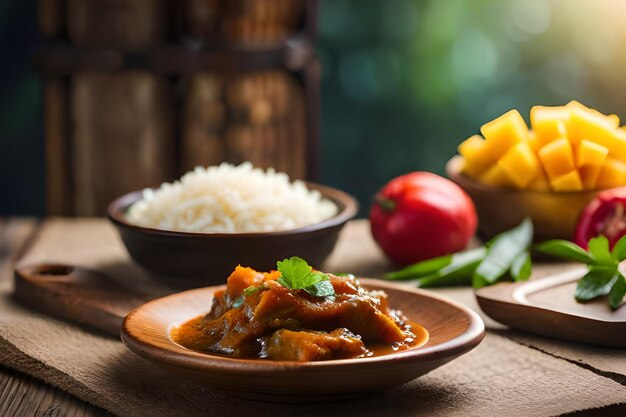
(604, 215)
(421, 215)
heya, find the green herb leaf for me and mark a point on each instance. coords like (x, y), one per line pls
(251, 290)
(619, 250)
(618, 290)
(246, 292)
(297, 274)
(565, 249)
(420, 269)
(293, 271)
(459, 271)
(521, 269)
(597, 282)
(599, 248)
(504, 249)
(321, 289)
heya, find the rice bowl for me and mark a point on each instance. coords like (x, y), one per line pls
(187, 259)
(231, 199)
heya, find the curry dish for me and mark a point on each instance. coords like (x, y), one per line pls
(261, 315)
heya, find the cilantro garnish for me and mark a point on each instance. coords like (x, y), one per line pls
(252, 290)
(297, 274)
(603, 274)
(246, 292)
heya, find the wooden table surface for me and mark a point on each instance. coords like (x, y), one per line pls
(21, 395)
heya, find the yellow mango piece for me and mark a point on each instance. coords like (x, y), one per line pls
(589, 176)
(470, 148)
(533, 141)
(611, 119)
(618, 145)
(590, 153)
(520, 164)
(595, 128)
(540, 183)
(557, 158)
(613, 174)
(549, 123)
(496, 177)
(568, 182)
(500, 135)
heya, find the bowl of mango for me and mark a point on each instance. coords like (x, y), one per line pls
(548, 172)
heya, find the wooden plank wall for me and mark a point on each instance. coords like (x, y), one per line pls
(119, 123)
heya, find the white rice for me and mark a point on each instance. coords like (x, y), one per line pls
(231, 199)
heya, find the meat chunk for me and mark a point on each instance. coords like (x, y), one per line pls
(289, 345)
(358, 313)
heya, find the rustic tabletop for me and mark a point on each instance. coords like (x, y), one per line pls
(21, 395)
(581, 368)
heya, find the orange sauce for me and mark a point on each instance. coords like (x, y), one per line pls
(190, 336)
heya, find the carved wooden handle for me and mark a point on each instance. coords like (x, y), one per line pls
(76, 294)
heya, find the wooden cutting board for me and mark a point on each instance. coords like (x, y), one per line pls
(547, 307)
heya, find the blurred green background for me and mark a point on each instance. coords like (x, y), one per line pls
(404, 81)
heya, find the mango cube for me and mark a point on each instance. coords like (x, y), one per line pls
(619, 144)
(500, 135)
(469, 148)
(590, 153)
(586, 125)
(569, 148)
(611, 119)
(549, 123)
(520, 164)
(568, 182)
(613, 174)
(557, 158)
(589, 175)
(496, 177)
(533, 141)
(540, 183)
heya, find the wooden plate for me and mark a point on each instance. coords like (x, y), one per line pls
(547, 307)
(454, 330)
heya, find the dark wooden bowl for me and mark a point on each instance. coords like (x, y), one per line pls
(196, 259)
(554, 214)
(453, 328)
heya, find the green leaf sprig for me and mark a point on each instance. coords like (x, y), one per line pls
(297, 274)
(246, 292)
(505, 256)
(603, 276)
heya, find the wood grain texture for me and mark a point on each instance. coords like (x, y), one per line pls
(24, 396)
(58, 176)
(21, 395)
(123, 24)
(547, 307)
(76, 294)
(123, 136)
(504, 375)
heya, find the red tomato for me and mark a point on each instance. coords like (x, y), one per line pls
(422, 215)
(605, 215)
